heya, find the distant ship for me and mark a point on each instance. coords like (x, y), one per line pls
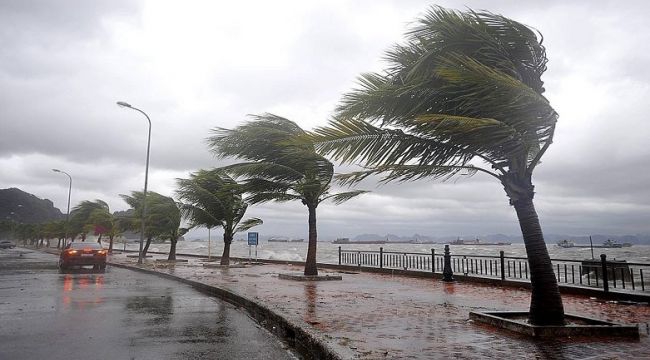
(477, 242)
(285, 240)
(609, 243)
(347, 241)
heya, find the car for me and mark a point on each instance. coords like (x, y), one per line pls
(78, 254)
(6, 244)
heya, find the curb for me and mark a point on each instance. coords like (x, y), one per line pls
(303, 340)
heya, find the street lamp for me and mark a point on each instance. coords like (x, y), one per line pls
(67, 215)
(146, 176)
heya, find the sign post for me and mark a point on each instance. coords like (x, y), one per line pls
(253, 238)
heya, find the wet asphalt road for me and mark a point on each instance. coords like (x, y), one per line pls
(120, 314)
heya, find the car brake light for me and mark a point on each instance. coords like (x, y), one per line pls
(71, 252)
(101, 252)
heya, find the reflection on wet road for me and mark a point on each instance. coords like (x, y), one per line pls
(117, 315)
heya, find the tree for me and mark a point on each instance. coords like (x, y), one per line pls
(80, 218)
(162, 220)
(280, 165)
(211, 198)
(55, 230)
(462, 95)
(105, 223)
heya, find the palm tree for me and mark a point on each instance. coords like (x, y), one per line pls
(105, 223)
(162, 220)
(80, 218)
(462, 95)
(281, 165)
(212, 198)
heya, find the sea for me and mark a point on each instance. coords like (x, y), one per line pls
(327, 252)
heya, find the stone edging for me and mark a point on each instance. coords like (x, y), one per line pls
(303, 340)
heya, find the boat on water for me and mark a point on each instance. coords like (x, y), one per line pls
(566, 243)
(285, 240)
(347, 241)
(609, 243)
(477, 242)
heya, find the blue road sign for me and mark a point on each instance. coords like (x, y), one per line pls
(252, 238)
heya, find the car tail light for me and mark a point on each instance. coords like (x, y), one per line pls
(101, 252)
(71, 252)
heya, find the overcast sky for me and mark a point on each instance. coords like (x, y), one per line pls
(196, 65)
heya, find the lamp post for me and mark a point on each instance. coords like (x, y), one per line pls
(67, 214)
(146, 176)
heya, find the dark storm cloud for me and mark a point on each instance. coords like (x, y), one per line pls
(194, 66)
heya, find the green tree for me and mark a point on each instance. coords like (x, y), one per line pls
(280, 165)
(55, 230)
(211, 198)
(162, 220)
(463, 95)
(80, 218)
(107, 224)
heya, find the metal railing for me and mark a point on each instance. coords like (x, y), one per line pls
(596, 273)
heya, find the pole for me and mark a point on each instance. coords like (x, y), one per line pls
(67, 215)
(209, 244)
(447, 273)
(603, 264)
(592, 247)
(146, 177)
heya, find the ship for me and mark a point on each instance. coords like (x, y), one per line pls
(347, 241)
(460, 241)
(608, 244)
(565, 243)
(284, 240)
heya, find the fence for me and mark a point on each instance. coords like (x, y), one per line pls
(602, 274)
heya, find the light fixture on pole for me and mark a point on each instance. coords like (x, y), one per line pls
(67, 214)
(146, 176)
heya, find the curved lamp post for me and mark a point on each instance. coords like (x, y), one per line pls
(67, 215)
(146, 176)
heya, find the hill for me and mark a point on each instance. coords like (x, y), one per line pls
(19, 206)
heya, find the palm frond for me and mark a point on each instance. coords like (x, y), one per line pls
(403, 173)
(247, 224)
(340, 198)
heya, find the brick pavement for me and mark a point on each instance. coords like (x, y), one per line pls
(381, 316)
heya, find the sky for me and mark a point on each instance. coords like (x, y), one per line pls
(193, 66)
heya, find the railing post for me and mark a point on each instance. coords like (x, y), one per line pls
(503, 265)
(339, 255)
(381, 257)
(603, 261)
(447, 273)
(433, 260)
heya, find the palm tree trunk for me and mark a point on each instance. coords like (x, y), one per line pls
(310, 264)
(227, 240)
(172, 249)
(99, 239)
(110, 243)
(146, 246)
(546, 302)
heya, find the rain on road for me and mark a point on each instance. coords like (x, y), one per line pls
(117, 315)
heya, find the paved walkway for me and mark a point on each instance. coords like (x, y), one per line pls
(377, 316)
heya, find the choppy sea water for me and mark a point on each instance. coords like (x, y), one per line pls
(328, 252)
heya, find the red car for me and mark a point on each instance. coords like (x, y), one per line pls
(82, 254)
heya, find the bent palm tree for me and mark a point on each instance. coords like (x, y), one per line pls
(279, 168)
(212, 198)
(463, 95)
(80, 217)
(106, 223)
(162, 221)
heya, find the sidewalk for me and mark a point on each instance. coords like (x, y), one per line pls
(376, 316)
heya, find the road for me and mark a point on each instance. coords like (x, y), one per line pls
(120, 314)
